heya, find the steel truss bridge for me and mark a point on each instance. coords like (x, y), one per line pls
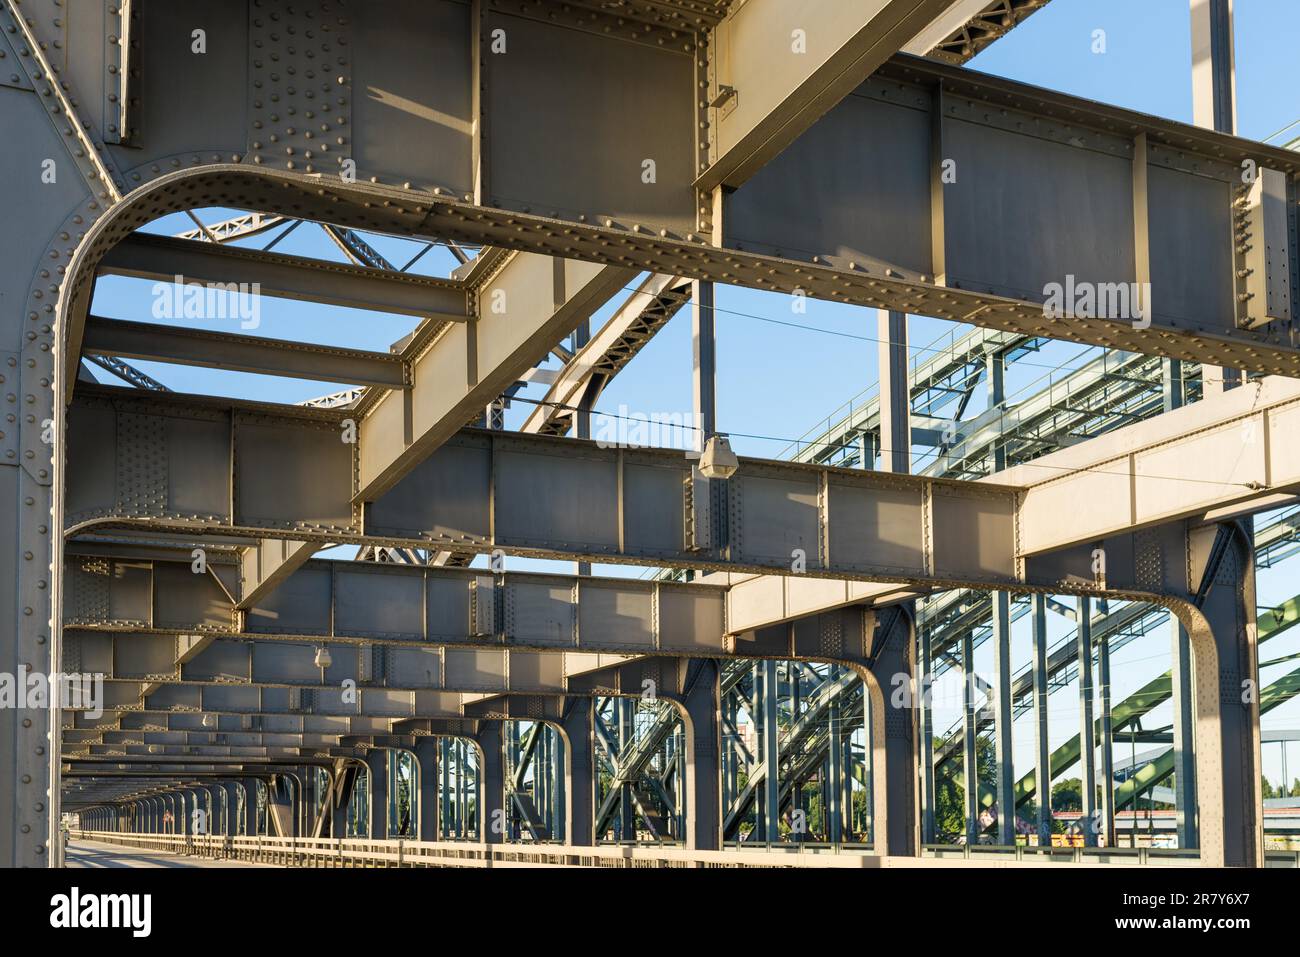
(263, 701)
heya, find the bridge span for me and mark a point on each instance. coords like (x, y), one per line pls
(646, 435)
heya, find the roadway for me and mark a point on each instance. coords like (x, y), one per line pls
(95, 854)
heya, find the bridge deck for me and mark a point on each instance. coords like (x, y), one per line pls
(97, 854)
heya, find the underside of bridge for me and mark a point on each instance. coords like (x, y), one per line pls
(314, 540)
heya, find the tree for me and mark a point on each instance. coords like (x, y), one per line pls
(1067, 795)
(949, 796)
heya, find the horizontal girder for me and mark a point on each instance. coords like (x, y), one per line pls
(163, 259)
(236, 353)
(294, 476)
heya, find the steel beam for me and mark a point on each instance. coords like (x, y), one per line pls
(780, 67)
(263, 567)
(405, 605)
(163, 258)
(645, 311)
(217, 350)
(624, 504)
(524, 306)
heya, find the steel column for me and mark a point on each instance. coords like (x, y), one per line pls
(767, 697)
(704, 356)
(252, 791)
(1214, 106)
(834, 799)
(702, 789)
(1087, 731)
(579, 772)
(377, 760)
(1006, 780)
(970, 721)
(426, 762)
(1184, 731)
(926, 721)
(891, 736)
(491, 784)
(1043, 761)
(895, 395)
(1223, 641)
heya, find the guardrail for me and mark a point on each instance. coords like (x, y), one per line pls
(1122, 856)
(399, 852)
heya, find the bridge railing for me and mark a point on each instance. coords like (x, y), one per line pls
(399, 852)
(1123, 856)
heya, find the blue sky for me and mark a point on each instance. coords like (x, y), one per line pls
(776, 382)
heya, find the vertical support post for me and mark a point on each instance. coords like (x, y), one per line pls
(1087, 732)
(510, 759)
(251, 791)
(293, 785)
(1106, 741)
(970, 718)
(730, 757)
(1043, 758)
(232, 791)
(1214, 74)
(702, 789)
(925, 654)
(1171, 378)
(447, 814)
(769, 731)
(995, 366)
(895, 394)
(868, 446)
(834, 800)
(891, 737)
(579, 777)
(377, 766)
(462, 789)
(394, 793)
(704, 356)
(1180, 677)
(1224, 653)
(426, 763)
(491, 784)
(1171, 370)
(1214, 106)
(345, 786)
(1006, 781)
(626, 710)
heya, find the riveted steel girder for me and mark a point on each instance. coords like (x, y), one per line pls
(293, 476)
(777, 67)
(410, 605)
(195, 347)
(163, 258)
(525, 305)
